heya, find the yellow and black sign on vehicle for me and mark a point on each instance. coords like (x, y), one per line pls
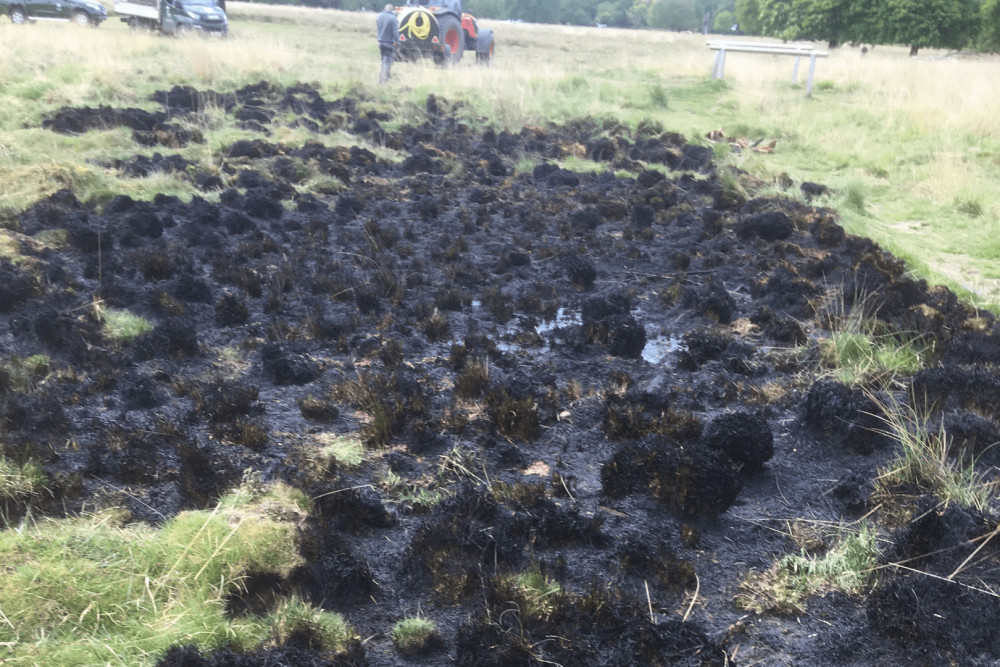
(418, 25)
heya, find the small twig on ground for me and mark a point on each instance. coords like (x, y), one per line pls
(130, 495)
(970, 556)
(935, 576)
(697, 587)
(350, 488)
(780, 493)
(652, 618)
(562, 480)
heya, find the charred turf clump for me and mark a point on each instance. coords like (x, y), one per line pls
(940, 560)
(525, 606)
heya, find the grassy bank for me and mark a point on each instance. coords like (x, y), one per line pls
(96, 590)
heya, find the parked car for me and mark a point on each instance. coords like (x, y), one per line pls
(81, 12)
(171, 17)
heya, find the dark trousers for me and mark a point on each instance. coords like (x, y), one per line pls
(388, 56)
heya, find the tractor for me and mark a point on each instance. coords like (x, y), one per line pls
(442, 32)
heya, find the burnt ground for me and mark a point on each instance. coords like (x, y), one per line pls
(613, 380)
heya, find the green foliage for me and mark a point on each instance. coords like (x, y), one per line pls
(916, 23)
(97, 590)
(925, 23)
(927, 459)
(123, 325)
(989, 26)
(535, 594)
(20, 481)
(297, 620)
(846, 566)
(24, 373)
(775, 18)
(827, 20)
(411, 634)
(748, 16)
(862, 349)
(724, 20)
(611, 13)
(345, 451)
(663, 14)
(673, 15)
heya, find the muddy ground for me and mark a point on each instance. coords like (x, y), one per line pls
(615, 381)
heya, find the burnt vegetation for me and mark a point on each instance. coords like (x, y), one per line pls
(603, 384)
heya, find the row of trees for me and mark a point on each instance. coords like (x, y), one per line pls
(951, 24)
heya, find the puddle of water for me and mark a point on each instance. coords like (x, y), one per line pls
(564, 318)
(659, 348)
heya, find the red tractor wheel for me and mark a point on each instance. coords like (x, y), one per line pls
(452, 38)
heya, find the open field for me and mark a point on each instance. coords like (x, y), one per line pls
(909, 145)
(536, 364)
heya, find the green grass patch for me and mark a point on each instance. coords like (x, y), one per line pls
(534, 593)
(123, 325)
(297, 620)
(411, 635)
(98, 590)
(422, 497)
(20, 481)
(846, 566)
(862, 349)
(23, 374)
(928, 460)
(346, 451)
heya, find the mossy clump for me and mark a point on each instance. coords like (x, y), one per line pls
(124, 326)
(415, 635)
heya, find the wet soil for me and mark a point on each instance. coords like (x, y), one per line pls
(612, 380)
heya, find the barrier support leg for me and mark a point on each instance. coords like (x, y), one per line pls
(795, 71)
(812, 71)
(720, 70)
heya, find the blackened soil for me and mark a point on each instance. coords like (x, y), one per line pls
(613, 382)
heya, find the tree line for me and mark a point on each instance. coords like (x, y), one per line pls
(950, 24)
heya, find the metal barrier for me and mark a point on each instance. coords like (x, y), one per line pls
(721, 47)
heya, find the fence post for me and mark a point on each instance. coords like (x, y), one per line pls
(721, 68)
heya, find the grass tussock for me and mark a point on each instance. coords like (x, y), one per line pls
(345, 451)
(846, 566)
(412, 635)
(23, 374)
(99, 590)
(535, 595)
(928, 460)
(20, 481)
(123, 325)
(862, 349)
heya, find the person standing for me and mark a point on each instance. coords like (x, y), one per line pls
(387, 26)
